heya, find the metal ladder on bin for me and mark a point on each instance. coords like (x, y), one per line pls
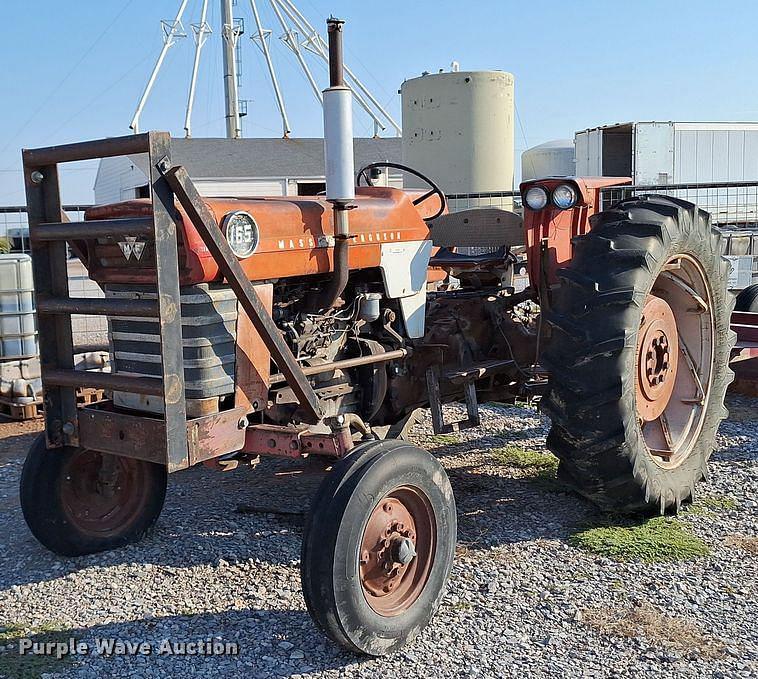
(49, 232)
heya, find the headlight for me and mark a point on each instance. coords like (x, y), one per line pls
(536, 198)
(241, 233)
(564, 196)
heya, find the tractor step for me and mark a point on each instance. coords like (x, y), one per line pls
(435, 402)
(478, 371)
(465, 377)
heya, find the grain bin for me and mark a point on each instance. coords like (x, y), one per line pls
(458, 130)
(552, 159)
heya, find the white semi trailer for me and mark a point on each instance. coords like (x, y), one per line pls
(654, 153)
(714, 165)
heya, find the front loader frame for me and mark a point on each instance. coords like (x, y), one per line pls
(173, 440)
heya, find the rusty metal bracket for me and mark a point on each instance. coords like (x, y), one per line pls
(206, 226)
(142, 437)
(293, 442)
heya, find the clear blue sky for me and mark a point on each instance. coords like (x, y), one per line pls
(73, 70)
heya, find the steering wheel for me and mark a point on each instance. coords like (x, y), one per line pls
(433, 191)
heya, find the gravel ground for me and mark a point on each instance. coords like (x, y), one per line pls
(223, 563)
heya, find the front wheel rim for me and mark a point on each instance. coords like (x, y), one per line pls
(102, 495)
(674, 360)
(397, 551)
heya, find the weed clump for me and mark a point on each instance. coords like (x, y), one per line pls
(445, 439)
(654, 540)
(532, 462)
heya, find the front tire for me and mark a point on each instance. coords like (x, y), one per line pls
(639, 355)
(78, 501)
(378, 547)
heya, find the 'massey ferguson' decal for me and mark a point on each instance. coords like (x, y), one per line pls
(131, 246)
(328, 241)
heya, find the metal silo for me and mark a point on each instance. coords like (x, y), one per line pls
(551, 159)
(458, 130)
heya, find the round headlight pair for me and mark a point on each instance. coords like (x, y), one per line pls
(564, 197)
(241, 233)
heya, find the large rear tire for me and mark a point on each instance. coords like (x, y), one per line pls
(378, 546)
(747, 300)
(78, 501)
(639, 355)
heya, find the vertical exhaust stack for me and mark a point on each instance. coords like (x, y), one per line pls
(231, 95)
(338, 124)
(340, 164)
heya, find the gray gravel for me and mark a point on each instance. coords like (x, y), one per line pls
(223, 563)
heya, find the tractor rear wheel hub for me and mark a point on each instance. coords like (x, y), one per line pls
(657, 358)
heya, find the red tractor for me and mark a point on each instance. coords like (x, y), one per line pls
(319, 326)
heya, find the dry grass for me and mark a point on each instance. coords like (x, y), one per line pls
(461, 550)
(658, 628)
(747, 543)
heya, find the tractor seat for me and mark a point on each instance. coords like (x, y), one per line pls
(484, 227)
(446, 259)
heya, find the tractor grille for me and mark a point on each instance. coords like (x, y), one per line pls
(209, 325)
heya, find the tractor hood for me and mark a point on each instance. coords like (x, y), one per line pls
(295, 236)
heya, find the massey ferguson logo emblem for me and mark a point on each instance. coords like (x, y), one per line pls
(130, 246)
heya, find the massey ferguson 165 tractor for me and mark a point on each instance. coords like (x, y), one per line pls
(296, 326)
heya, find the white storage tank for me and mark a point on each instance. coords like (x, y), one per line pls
(18, 328)
(458, 130)
(552, 159)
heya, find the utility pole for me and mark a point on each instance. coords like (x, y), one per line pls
(230, 36)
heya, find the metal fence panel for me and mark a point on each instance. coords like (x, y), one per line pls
(731, 204)
(733, 207)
